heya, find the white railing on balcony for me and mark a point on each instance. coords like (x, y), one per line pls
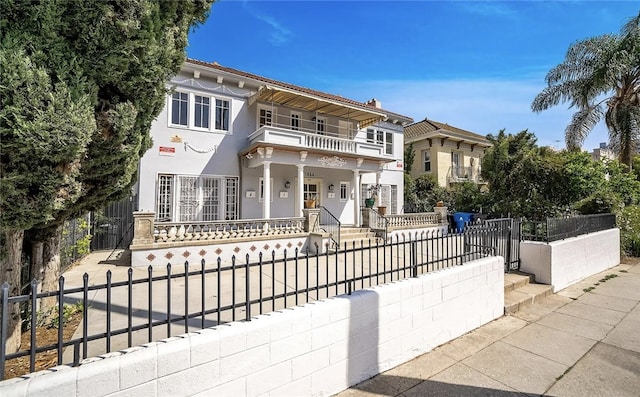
(319, 141)
(462, 174)
(224, 230)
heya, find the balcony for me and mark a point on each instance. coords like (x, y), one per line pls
(463, 174)
(317, 140)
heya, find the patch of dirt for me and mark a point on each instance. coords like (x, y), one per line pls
(45, 336)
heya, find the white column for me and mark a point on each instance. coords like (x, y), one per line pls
(378, 177)
(300, 189)
(266, 189)
(356, 197)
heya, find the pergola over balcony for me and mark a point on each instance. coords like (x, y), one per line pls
(338, 107)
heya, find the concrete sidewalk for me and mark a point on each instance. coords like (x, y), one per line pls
(582, 341)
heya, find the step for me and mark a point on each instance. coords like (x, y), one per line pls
(516, 299)
(515, 280)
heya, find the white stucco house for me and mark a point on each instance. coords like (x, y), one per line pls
(223, 132)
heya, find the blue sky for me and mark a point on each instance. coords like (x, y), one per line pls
(476, 65)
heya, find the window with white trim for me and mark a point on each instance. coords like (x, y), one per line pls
(265, 117)
(426, 160)
(202, 112)
(164, 198)
(321, 123)
(388, 142)
(222, 115)
(180, 108)
(381, 137)
(344, 191)
(295, 121)
(189, 198)
(197, 111)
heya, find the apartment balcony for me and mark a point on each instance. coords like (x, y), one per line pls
(463, 174)
(321, 141)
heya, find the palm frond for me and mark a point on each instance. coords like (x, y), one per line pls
(581, 125)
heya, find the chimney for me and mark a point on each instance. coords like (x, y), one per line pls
(376, 103)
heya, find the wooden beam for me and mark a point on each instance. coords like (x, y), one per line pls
(473, 145)
(442, 140)
(430, 143)
(458, 145)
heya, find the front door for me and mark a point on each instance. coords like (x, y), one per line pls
(311, 190)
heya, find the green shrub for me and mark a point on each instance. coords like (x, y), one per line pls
(600, 202)
(629, 224)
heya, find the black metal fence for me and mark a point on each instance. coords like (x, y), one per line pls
(554, 229)
(124, 312)
(506, 239)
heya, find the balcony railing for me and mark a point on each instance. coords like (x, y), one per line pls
(463, 174)
(315, 140)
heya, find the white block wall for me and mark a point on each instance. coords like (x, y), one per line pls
(565, 262)
(313, 350)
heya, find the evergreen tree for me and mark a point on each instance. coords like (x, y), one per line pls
(82, 82)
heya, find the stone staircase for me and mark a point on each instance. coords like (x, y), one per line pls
(360, 236)
(521, 290)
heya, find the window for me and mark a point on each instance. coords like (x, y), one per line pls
(179, 108)
(320, 125)
(344, 191)
(295, 121)
(188, 198)
(231, 206)
(196, 111)
(370, 135)
(265, 117)
(222, 115)
(202, 112)
(381, 137)
(426, 160)
(388, 142)
(196, 198)
(262, 189)
(164, 199)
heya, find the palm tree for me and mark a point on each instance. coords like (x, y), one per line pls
(600, 77)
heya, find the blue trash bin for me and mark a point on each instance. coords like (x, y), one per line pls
(461, 219)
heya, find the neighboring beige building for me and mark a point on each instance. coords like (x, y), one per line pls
(451, 154)
(603, 153)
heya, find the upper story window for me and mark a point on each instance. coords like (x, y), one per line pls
(321, 123)
(381, 137)
(196, 111)
(295, 121)
(426, 161)
(202, 112)
(265, 117)
(388, 142)
(222, 115)
(179, 108)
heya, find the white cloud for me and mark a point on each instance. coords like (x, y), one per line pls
(280, 34)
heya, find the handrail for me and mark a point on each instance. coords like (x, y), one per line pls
(378, 223)
(330, 224)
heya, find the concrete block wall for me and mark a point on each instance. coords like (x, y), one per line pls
(565, 262)
(317, 349)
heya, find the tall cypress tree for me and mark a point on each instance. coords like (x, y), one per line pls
(82, 82)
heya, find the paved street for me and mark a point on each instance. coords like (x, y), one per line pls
(573, 343)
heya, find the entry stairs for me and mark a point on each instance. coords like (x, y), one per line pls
(358, 237)
(520, 290)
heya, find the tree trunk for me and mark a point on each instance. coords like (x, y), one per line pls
(10, 268)
(51, 268)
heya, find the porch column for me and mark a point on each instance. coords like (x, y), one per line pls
(378, 177)
(356, 197)
(300, 189)
(266, 190)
